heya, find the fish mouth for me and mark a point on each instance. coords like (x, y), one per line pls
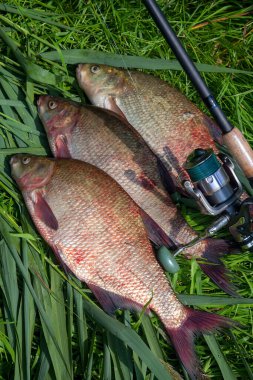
(41, 101)
(16, 167)
(79, 71)
(42, 107)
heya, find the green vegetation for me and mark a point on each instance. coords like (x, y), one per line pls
(50, 327)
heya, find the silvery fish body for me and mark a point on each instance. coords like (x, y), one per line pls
(170, 124)
(98, 136)
(96, 231)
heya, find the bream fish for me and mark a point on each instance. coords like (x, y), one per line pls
(98, 136)
(170, 124)
(96, 231)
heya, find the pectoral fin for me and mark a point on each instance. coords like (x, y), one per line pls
(44, 212)
(61, 146)
(110, 104)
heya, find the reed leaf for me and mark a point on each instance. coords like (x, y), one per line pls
(75, 56)
(44, 17)
(220, 358)
(198, 300)
(33, 71)
(46, 322)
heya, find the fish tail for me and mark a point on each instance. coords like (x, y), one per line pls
(182, 338)
(213, 267)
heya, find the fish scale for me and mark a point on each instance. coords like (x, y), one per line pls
(117, 263)
(98, 136)
(171, 125)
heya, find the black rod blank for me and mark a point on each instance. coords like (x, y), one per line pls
(188, 65)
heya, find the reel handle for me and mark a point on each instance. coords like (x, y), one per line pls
(241, 151)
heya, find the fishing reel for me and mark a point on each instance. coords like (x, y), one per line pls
(214, 185)
(217, 190)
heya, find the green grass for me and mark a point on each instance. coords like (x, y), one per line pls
(50, 327)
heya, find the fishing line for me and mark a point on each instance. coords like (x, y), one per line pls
(116, 48)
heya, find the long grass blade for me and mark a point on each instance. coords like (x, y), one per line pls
(28, 316)
(197, 300)
(40, 16)
(88, 374)
(152, 339)
(81, 329)
(129, 337)
(40, 151)
(4, 231)
(219, 357)
(32, 70)
(75, 56)
(107, 368)
(244, 357)
(9, 287)
(116, 328)
(121, 357)
(56, 316)
(44, 363)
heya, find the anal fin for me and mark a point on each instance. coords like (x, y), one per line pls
(155, 232)
(111, 301)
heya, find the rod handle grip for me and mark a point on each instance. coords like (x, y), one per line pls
(240, 150)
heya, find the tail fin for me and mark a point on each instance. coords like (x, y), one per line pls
(183, 337)
(213, 267)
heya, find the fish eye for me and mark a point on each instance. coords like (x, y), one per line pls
(26, 160)
(94, 69)
(52, 104)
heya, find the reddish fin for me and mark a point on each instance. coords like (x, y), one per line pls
(61, 146)
(43, 212)
(165, 177)
(214, 268)
(183, 337)
(111, 301)
(169, 184)
(110, 103)
(155, 232)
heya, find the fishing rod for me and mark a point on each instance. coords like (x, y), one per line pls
(212, 179)
(232, 137)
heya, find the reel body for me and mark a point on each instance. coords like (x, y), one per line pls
(215, 187)
(213, 183)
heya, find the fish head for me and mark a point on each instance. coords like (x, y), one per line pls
(59, 117)
(31, 172)
(101, 81)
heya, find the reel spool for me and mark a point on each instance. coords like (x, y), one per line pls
(214, 185)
